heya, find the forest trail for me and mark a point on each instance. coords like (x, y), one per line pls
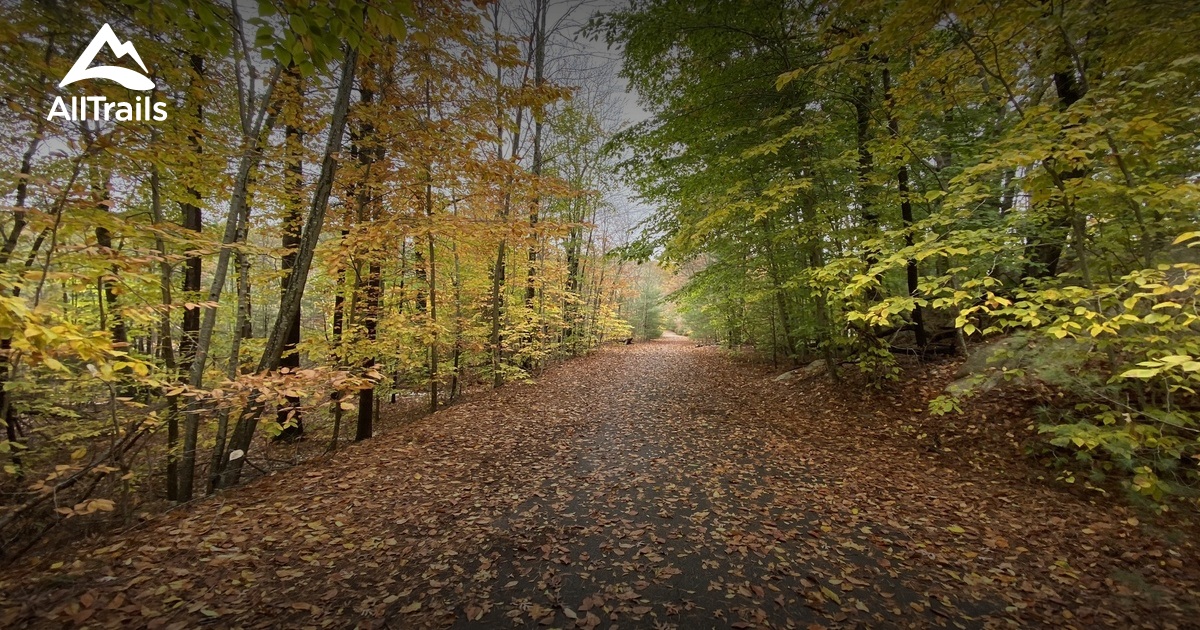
(653, 485)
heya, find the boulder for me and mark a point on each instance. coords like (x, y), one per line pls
(1026, 359)
(816, 368)
(1003, 353)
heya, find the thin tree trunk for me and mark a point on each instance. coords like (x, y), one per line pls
(574, 282)
(248, 420)
(120, 333)
(289, 415)
(23, 174)
(233, 369)
(498, 270)
(785, 317)
(367, 210)
(251, 155)
(165, 346)
(497, 307)
(6, 250)
(431, 264)
(912, 273)
(1047, 243)
(339, 318)
(397, 376)
(456, 283)
(862, 126)
(538, 81)
(433, 344)
(190, 331)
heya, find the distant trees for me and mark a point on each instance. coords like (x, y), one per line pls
(643, 309)
(860, 179)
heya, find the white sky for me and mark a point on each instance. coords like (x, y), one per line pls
(570, 16)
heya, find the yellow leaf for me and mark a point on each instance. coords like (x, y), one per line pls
(1186, 236)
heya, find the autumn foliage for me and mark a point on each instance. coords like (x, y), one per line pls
(350, 206)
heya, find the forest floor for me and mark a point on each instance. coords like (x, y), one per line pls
(653, 485)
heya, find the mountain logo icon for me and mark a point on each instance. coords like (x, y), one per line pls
(129, 78)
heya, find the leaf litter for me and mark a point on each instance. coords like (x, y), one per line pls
(658, 485)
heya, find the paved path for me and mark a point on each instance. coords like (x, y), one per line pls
(676, 503)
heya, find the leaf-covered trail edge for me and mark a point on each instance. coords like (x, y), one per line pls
(659, 484)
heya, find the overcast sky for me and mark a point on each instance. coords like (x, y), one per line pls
(566, 18)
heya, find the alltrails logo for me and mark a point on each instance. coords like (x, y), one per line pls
(99, 107)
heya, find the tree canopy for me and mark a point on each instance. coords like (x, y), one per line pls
(858, 180)
(348, 205)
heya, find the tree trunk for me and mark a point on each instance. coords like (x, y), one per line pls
(368, 154)
(1047, 244)
(315, 220)
(497, 307)
(433, 343)
(6, 250)
(111, 310)
(233, 369)
(906, 213)
(165, 347)
(366, 396)
(193, 263)
(289, 415)
(785, 316)
(539, 63)
(862, 125)
(573, 248)
(456, 283)
(339, 318)
(251, 155)
(431, 265)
